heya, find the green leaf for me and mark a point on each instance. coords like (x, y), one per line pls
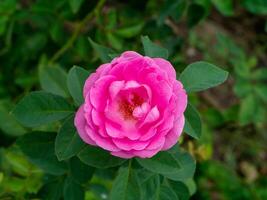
(40, 107)
(256, 6)
(225, 7)
(153, 50)
(201, 76)
(187, 165)
(79, 171)
(180, 189)
(174, 8)
(114, 41)
(90, 155)
(8, 124)
(52, 190)
(102, 51)
(261, 91)
(53, 79)
(75, 5)
(76, 80)
(186, 168)
(129, 32)
(248, 109)
(166, 193)
(260, 74)
(68, 142)
(195, 14)
(192, 122)
(72, 190)
(150, 186)
(39, 148)
(163, 162)
(125, 186)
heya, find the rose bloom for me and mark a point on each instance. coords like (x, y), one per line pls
(134, 106)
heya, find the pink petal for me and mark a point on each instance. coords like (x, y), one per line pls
(127, 145)
(172, 137)
(104, 143)
(166, 66)
(99, 92)
(80, 124)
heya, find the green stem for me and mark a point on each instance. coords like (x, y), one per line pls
(78, 28)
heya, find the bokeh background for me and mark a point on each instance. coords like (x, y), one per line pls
(232, 152)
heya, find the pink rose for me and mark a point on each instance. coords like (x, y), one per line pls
(134, 106)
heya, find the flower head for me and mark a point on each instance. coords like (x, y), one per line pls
(134, 106)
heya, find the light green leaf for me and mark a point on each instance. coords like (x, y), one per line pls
(39, 148)
(53, 79)
(129, 32)
(256, 6)
(261, 91)
(8, 124)
(75, 5)
(224, 6)
(192, 122)
(90, 155)
(201, 76)
(75, 81)
(68, 142)
(125, 186)
(38, 108)
(247, 110)
(102, 51)
(153, 50)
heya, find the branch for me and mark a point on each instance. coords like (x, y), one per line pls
(78, 28)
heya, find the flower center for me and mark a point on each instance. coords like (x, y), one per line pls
(127, 106)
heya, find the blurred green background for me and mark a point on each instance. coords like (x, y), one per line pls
(232, 152)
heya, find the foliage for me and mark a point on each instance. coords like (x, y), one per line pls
(40, 41)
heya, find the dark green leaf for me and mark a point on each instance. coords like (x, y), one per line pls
(180, 189)
(192, 122)
(40, 107)
(195, 14)
(150, 186)
(153, 50)
(125, 186)
(91, 156)
(52, 190)
(163, 162)
(73, 190)
(174, 8)
(102, 51)
(68, 142)
(201, 76)
(76, 79)
(186, 168)
(79, 171)
(39, 148)
(75, 5)
(166, 193)
(53, 79)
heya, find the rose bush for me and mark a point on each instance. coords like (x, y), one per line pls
(134, 106)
